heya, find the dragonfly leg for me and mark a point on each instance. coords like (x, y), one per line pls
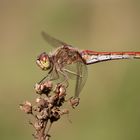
(71, 72)
(50, 77)
(74, 101)
(65, 81)
(45, 77)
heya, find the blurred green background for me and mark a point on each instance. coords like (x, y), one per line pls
(110, 106)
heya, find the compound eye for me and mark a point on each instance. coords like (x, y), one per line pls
(43, 61)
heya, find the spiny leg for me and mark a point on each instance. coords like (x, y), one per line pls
(71, 72)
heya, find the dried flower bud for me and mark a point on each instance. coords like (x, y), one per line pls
(38, 125)
(26, 107)
(52, 100)
(55, 116)
(43, 88)
(56, 89)
(43, 115)
(41, 103)
(60, 89)
(38, 88)
(48, 84)
(62, 92)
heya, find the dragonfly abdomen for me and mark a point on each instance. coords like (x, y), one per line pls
(93, 57)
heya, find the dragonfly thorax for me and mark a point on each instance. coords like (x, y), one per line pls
(43, 61)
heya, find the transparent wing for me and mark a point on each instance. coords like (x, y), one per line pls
(81, 78)
(52, 41)
(78, 72)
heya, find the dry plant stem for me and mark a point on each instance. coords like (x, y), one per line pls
(41, 133)
(47, 137)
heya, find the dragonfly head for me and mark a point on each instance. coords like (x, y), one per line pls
(43, 61)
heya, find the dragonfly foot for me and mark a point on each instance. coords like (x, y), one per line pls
(74, 101)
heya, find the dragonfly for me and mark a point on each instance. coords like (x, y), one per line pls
(69, 62)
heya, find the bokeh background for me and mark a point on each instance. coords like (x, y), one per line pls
(110, 101)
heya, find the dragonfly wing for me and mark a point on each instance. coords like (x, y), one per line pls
(81, 78)
(50, 77)
(52, 41)
(77, 72)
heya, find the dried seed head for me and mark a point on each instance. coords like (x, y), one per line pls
(41, 103)
(52, 100)
(38, 88)
(43, 88)
(43, 115)
(38, 125)
(56, 89)
(48, 84)
(60, 89)
(54, 116)
(26, 107)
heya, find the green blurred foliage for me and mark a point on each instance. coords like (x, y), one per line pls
(109, 107)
